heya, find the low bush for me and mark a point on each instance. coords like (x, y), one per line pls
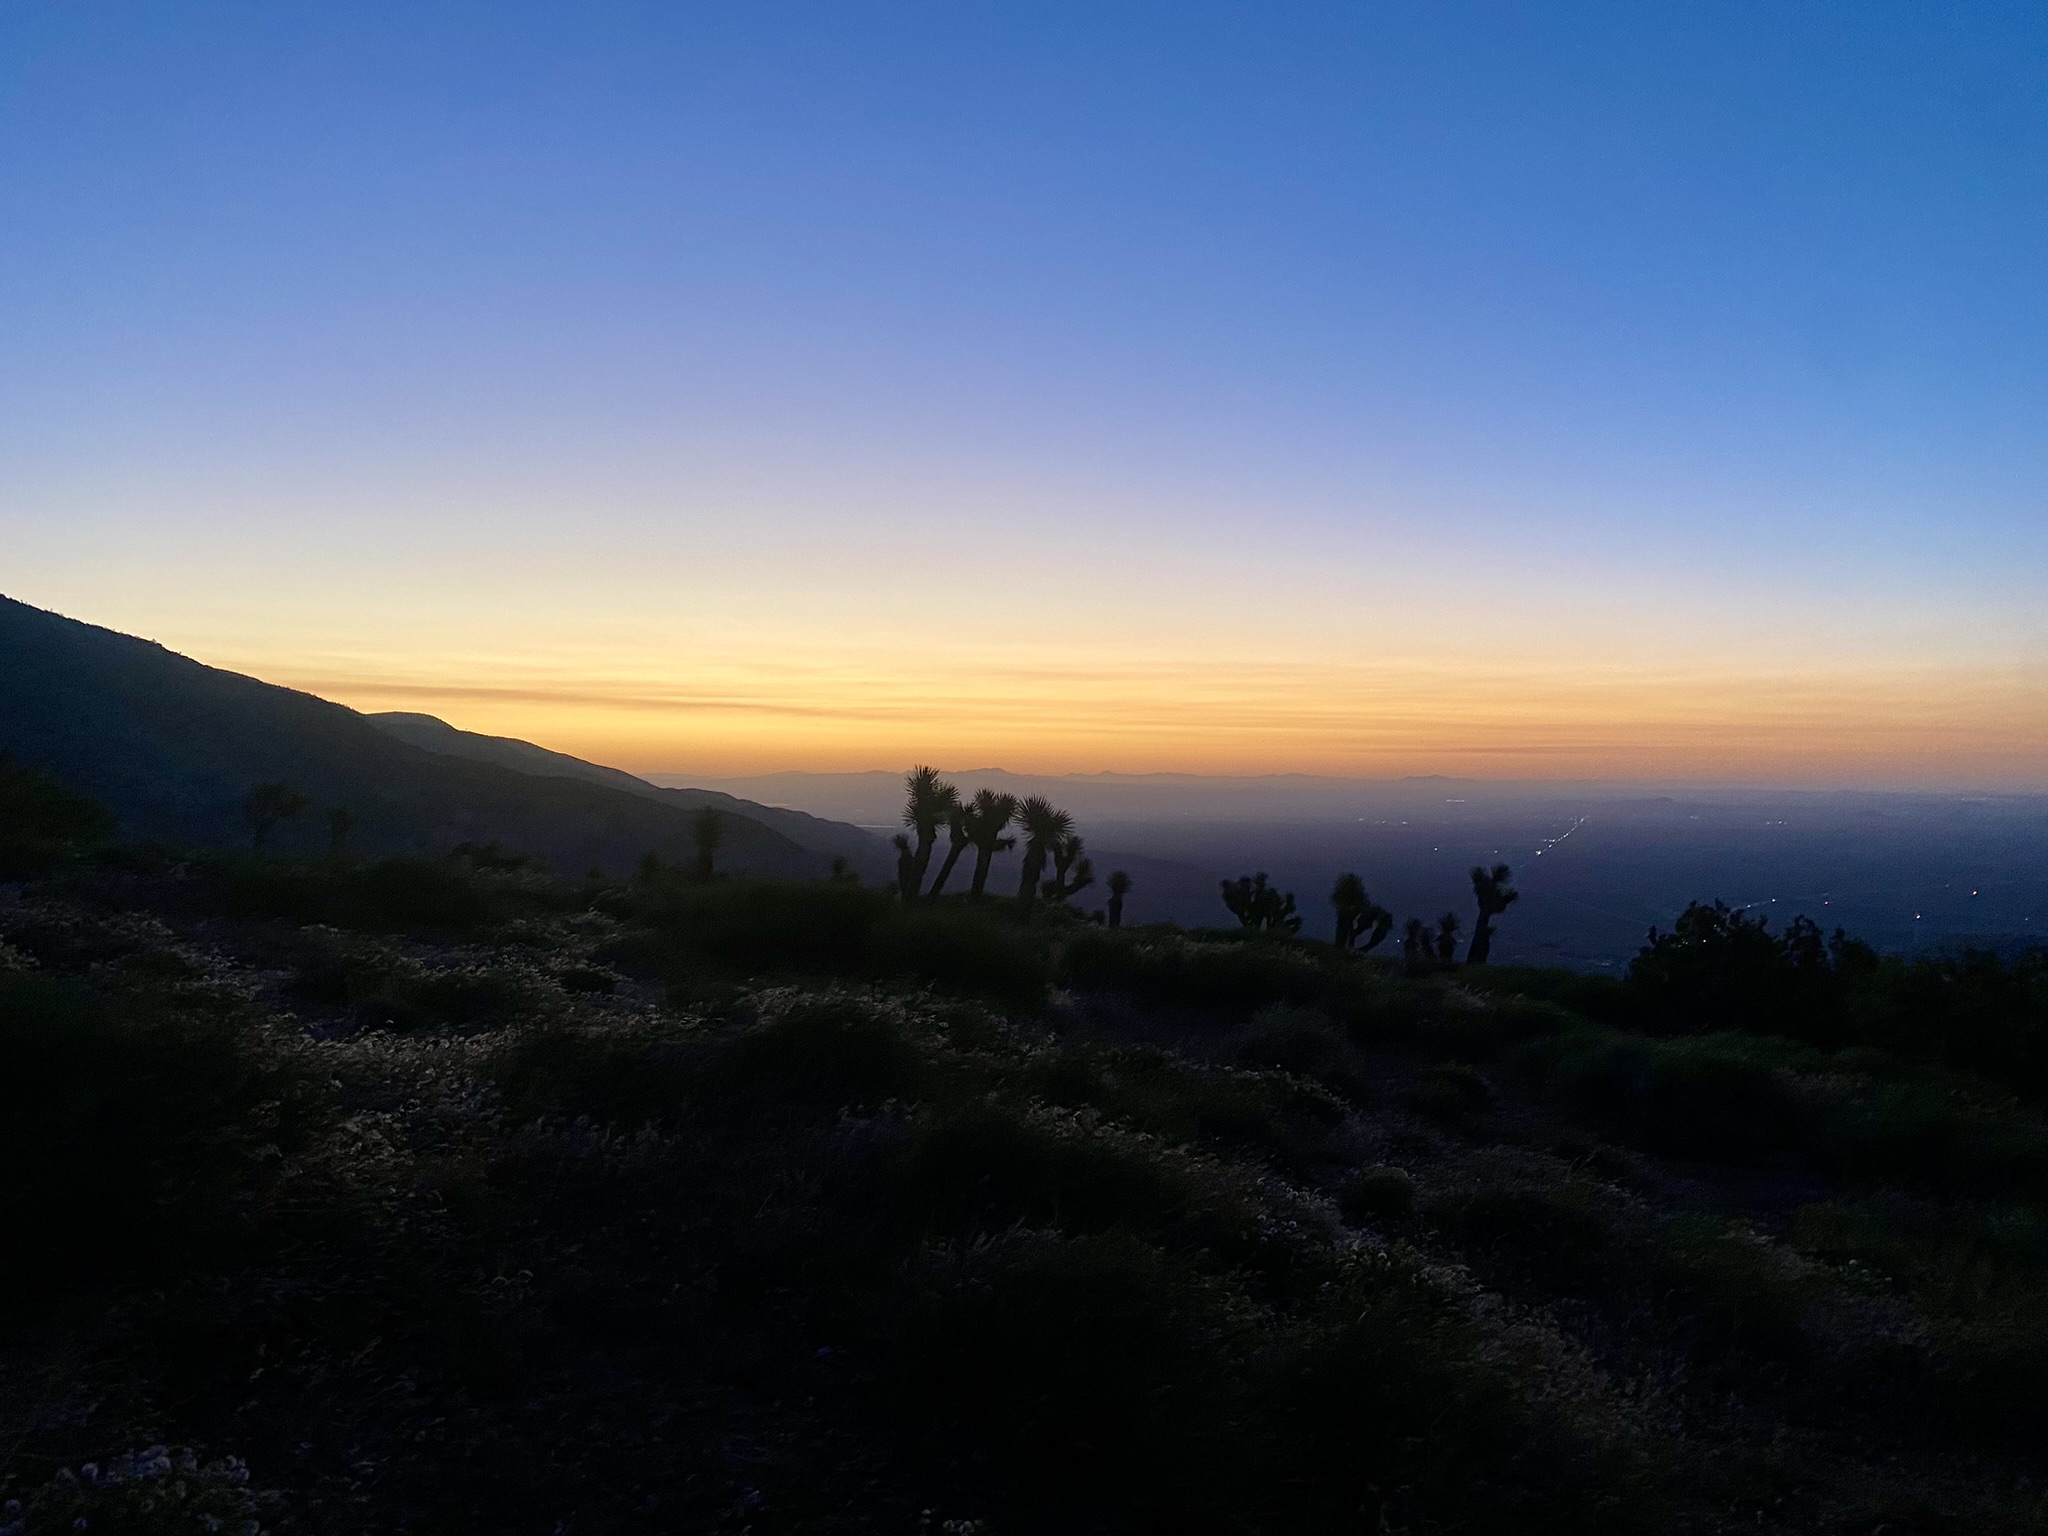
(1556, 1240)
(1708, 1099)
(1377, 1194)
(401, 895)
(1730, 1290)
(1213, 976)
(764, 927)
(959, 948)
(123, 1133)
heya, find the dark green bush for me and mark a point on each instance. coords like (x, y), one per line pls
(390, 896)
(1557, 1240)
(1708, 1099)
(768, 926)
(1214, 976)
(43, 821)
(1448, 1093)
(1167, 1096)
(1734, 1291)
(1097, 1371)
(1377, 1194)
(959, 948)
(822, 1054)
(985, 1168)
(122, 1134)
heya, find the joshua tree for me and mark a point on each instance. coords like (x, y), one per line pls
(340, 822)
(988, 816)
(1119, 888)
(1046, 827)
(1358, 914)
(267, 805)
(1417, 943)
(708, 828)
(928, 799)
(1447, 938)
(1259, 907)
(906, 864)
(1071, 872)
(957, 843)
(1495, 893)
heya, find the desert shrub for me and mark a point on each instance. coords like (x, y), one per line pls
(962, 950)
(1293, 1039)
(1447, 1093)
(985, 1168)
(43, 821)
(1214, 976)
(1350, 1388)
(587, 978)
(1719, 970)
(1377, 1194)
(1554, 1239)
(123, 1131)
(150, 1492)
(1098, 1371)
(1168, 1096)
(1697, 1099)
(823, 1053)
(1927, 1134)
(389, 896)
(1729, 1290)
(608, 1079)
(767, 926)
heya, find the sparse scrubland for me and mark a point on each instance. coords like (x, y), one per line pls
(437, 1195)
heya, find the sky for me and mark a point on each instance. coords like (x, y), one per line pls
(1515, 390)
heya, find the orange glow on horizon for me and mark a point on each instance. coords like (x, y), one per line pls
(1935, 727)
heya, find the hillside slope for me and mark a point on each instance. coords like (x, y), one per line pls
(430, 733)
(172, 746)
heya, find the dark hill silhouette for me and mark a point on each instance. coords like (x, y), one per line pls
(173, 747)
(430, 733)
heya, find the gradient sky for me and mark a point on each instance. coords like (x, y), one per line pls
(1531, 389)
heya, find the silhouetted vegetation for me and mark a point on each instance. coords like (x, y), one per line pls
(707, 831)
(267, 805)
(987, 822)
(1047, 829)
(1362, 923)
(42, 822)
(452, 1196)
(1258, 907)
(1494, 892)
(1119, 887)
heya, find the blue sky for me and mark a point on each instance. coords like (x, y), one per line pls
(1575, 330)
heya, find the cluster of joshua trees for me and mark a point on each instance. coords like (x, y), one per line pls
(1362, 923)
(992, 822)
(984, 824)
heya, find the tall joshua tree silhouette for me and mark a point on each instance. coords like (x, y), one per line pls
(957, 843)
(707, 827)
(988, 817)
(1119, 888)
(1046, 827)
(928, 800)
(1358, 915)
(1494, 891)
(266, 806)
(1072, 872)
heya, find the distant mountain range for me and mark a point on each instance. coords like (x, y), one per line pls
(172, 747)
